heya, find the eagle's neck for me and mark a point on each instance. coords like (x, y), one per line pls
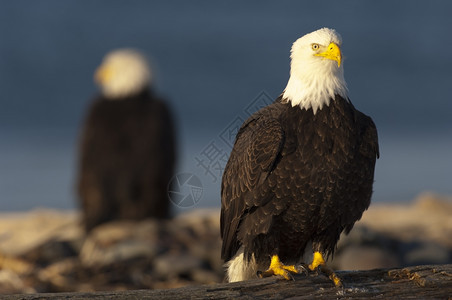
(315, 86)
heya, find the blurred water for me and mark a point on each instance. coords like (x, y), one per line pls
(212, 59)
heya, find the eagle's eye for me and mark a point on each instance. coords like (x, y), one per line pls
(315, 46)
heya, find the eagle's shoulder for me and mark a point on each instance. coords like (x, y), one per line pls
(368, 130)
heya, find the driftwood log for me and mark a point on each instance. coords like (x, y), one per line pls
(420, 282)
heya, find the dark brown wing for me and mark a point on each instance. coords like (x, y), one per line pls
(363, 177)
(93, 166)
(256, 150)
(157, 160)
(369, 146)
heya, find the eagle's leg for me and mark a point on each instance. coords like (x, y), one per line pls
(278, 268)
(319, 261)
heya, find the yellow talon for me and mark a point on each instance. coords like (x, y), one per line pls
(278, 268)
(319, 261)
(336, 280)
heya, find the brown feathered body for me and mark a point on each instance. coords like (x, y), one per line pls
(295, 178)
(127, 155)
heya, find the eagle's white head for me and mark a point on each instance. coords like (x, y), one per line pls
(316, 70)
(123, 73)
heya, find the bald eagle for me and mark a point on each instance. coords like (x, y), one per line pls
(127, 148)
(301, 170)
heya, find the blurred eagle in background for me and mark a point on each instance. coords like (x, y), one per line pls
(301, 170)
(127, 147)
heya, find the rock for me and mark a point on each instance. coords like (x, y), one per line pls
(359, 235)
(366, 258)
(428, 253)
(434, 203)
(11, 283)
(120, 241)
(202, 221)
(49, 252)
(59, 275)
(427, 219)
(173, 265)
(205, 277)
(21, 232)
(15, 264)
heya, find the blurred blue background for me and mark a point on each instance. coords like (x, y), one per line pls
(212, 59)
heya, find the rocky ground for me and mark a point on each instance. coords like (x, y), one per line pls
(47, 251)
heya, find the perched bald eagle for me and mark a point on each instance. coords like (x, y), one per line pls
(127, 148)
(301, 170)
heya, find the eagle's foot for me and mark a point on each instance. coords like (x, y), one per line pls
(278, 268)
(317, 262)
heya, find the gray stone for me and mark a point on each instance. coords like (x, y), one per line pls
(172, 265)
(365, 258)
(428, 253)
(22, 232)
(205, 277)
(120, 241)
(11, 283)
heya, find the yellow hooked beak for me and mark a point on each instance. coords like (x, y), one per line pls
(332, 52)
(103, 74)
